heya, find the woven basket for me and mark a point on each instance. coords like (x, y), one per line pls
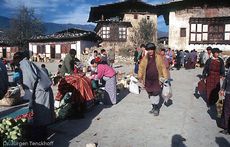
(12, 97)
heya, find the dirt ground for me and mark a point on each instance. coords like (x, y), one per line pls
(188, 122)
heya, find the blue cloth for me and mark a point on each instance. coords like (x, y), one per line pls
(16, 77)
(136, 68)
(16, 113)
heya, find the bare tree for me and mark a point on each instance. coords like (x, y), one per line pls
(23, 26)
(143, 33)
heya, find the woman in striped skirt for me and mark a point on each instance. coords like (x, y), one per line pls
(107, 73)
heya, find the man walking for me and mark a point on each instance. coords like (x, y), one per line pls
(151, 70)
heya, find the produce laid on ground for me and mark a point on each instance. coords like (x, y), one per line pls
(12, 129)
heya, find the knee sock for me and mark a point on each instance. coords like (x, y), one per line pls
(154, 100)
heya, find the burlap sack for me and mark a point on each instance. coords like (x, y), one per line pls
(12, 97)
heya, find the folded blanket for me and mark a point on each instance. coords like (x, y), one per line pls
(79, 85)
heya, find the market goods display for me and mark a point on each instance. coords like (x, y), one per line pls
(11, 129)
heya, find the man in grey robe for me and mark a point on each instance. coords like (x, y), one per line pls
(37, 86)
(3, 79)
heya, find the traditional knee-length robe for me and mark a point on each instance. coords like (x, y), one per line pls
(214, 68)
(225, 118)
(152, 85)
(43, 102)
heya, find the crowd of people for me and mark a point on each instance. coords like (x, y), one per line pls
(152, 68)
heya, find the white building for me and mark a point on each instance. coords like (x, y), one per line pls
(197, 24)
(57, 45)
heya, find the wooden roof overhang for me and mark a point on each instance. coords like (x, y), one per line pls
(3, 44)
(68, 35)
(210, 20)
(104, 12)
(165, 9)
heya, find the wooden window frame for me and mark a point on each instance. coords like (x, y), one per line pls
(219, 36)
(226, 31)
(216, 33)
(122, 33)
(182, 32)
(105, 32)
(148, 17)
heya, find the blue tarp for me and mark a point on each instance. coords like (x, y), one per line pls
(16, 113)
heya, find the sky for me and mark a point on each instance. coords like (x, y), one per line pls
(64, 11)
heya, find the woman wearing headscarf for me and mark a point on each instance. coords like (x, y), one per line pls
(213, 71)
(152, 70)
(107, 73)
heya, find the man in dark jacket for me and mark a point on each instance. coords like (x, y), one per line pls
(68, 63)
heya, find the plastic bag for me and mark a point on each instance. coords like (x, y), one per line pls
(132, 78)
(133, 86)
(167, 91)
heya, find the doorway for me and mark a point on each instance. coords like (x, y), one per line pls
(4, 53)
(52, 51)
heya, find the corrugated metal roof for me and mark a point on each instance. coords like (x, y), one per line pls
(65, 35)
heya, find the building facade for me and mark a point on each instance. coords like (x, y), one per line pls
(198, 24)
(7, 51)
(116, 22)
(57, 45)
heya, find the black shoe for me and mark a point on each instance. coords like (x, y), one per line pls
(225, 132)
(168, 103)
(151, 111)
(155, 110)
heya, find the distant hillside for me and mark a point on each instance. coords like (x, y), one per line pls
(50, 28)
(4, 22)
(54, 27)
(162, 34)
